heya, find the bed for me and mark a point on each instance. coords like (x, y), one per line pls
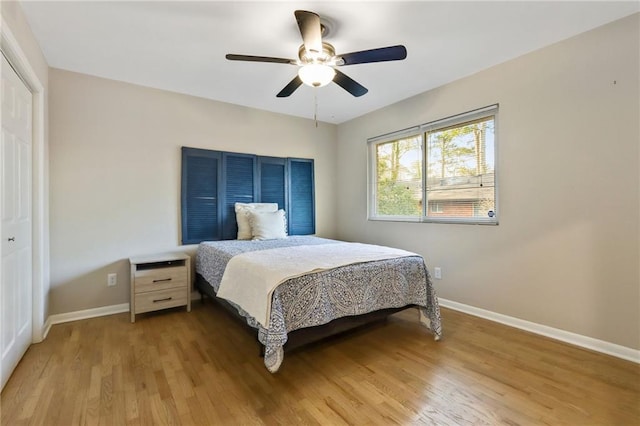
(323, 299)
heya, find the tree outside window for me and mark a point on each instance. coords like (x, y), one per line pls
(399, 177)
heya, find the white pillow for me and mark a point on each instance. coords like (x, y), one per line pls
(242, 218)
(268, 225)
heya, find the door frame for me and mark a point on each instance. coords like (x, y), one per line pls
(40, 181)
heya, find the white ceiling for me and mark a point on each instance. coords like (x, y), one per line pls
(180, 46)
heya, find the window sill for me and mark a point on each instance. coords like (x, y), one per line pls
(476, 221)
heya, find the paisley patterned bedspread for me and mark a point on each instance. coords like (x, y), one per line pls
(321, 297)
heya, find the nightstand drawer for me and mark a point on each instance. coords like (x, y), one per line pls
(155, 300)
(160, 279)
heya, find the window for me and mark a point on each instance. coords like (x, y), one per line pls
(442, 171)
(436, 207)
(399, 177)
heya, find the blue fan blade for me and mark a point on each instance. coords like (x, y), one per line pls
(349, 84)
(290, 88)
(382, 54)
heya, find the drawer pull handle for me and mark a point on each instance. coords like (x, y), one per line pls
(163, 300)
(159, 281)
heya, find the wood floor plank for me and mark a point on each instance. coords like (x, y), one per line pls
(203, 368)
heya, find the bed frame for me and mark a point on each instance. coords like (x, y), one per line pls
(303, 336)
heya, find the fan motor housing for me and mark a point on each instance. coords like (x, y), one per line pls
(327, 55)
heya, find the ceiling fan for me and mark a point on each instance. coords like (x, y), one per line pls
(317, 59)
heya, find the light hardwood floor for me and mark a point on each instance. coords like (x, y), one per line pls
(203, 368)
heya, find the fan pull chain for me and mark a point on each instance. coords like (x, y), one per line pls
(315, 106)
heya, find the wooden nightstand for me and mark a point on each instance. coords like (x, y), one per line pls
(160, 281)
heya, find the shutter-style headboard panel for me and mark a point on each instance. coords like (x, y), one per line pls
(213, 181)
(201, 172)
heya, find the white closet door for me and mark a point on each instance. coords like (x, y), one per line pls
(15, 196)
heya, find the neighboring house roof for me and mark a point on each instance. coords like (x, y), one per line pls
(461, 188)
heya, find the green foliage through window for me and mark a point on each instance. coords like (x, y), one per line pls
(399, 177)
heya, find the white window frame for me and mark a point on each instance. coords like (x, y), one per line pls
(421, 131)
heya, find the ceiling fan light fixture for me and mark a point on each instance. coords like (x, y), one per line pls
(316, 75)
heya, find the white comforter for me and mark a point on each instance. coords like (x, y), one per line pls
(250, 278)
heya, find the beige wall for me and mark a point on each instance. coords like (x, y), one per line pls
(115, 174)
(566, 251)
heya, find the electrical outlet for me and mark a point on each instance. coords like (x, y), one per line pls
(437, 272)
(112, 280)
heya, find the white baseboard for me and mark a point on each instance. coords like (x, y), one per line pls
(46, 328)
(554, 333)
(84, 314)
